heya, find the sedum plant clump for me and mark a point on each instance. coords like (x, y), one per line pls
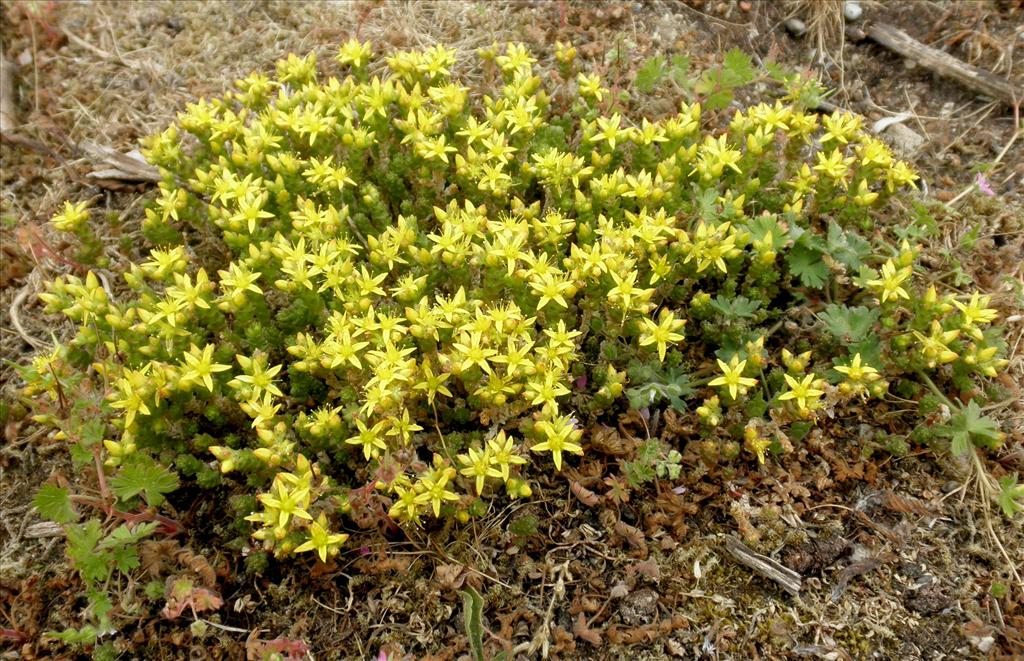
(382, 295)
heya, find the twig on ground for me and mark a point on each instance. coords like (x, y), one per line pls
(941, 63)
(8, 115)
(788, 579)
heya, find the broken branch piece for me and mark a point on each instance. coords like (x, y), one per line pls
(941, 63)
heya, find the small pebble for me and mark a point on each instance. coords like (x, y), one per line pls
(795, 27)
(852, 10)
(905, 140)
(639, 608)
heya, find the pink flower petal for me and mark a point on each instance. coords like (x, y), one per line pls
(983, 185)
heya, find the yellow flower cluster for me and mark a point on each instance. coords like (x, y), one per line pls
(395, 259)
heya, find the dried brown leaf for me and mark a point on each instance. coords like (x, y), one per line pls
(633, 536)
(181, 593)
(904, 504)
(582, 630)
(610, 442)
(157, 555)
(585, 495)
(186, 557)
(451, 577)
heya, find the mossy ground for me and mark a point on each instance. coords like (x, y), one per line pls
(917, 562)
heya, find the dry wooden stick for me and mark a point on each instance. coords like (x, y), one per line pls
(788, 579)
(944, 64)
(8, 116)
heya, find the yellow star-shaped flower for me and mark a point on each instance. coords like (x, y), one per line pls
(732, 377)
(322, 540)
(801, 391)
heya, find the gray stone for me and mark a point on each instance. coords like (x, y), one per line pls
(639, 608)
(795, 27)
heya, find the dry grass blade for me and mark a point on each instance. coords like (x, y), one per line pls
(30, 288)
(824, 20)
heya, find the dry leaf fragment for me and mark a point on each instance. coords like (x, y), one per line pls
(633, 536)
(609, 441)
(451, 576)
(156, 555)
(115, 166)
(582, 630)
(181, 593)
(585, 495)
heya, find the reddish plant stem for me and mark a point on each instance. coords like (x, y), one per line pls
(167, 525)
(13, 634)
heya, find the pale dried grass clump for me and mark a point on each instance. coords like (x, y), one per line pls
(130, 67)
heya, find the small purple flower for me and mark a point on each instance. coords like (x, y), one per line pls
(365, 550)
(383, 656)
(581, 382)
(983, 185)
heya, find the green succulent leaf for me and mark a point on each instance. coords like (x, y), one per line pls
(473, 613)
